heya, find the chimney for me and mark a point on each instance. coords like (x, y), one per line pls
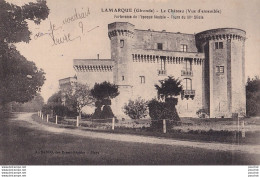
(98, 56)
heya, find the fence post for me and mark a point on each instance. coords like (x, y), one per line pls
(243, 129)
(77, 123)
(56, 119)
(42, 116)
(164, 126)
(47, 117)
(113, 123)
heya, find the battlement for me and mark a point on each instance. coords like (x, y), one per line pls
(117, 25)
(93, 65)
(221, 33)
(120, 29)
(210, 65)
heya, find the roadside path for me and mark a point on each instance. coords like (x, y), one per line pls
(252, 149)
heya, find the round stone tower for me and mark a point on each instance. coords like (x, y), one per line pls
(224, 71)
(121, 36)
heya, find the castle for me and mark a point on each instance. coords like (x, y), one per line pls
(211, 65)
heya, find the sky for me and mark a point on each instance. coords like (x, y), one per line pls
(89, 37)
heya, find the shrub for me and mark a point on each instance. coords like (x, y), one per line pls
(104, 90)
(136, 109)
(202, 113)
(163, 110)
(46, 109)
(253, 96)
(167, 90)
(103, 93)
(169, 87)
(86, 116)
(107, 112)
(97, 113)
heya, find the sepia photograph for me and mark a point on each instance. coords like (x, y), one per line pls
(109, 82)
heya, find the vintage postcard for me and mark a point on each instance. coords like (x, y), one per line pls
(109, 82)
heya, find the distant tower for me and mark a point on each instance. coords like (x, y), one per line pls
(121, 36)
(224, 71)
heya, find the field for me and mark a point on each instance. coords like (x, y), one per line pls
(194, 129)
(22, 143)
(226, 124)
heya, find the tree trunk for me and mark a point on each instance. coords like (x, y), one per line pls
(80, 115)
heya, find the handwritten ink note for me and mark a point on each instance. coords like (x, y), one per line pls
(59, 34)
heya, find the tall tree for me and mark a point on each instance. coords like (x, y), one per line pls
(20, 79)
(34, 105)
(169, 87)
(78, 96)
(104, 92)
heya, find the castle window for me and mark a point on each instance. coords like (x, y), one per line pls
(187, 84)
(220, 69)
(159, 46)
(123, 78)
(122, 43)
(162, 64)
(218, 45)
(184, 48)
(142, 79)
(188, 65)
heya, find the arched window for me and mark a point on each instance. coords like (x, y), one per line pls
(187, 84)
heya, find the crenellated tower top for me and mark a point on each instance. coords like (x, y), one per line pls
(120, 29)
(220, 34)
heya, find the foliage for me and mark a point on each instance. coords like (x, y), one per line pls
(55, 103)
(47, 109)
(62, 110)
(103, 93)
(136, 109)
(107, 112)
(34, 105)
(55, 99)
(98, 110)
(169, 87)
(202, 113)
(163, 110)
(97, 113)
(253, 96)
(78, 96)
(20, 79)
(14, 27)
(54, 106)
(104, 90)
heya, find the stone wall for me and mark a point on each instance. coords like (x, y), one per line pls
(185, 107)
(147, 39)
(91, 71)
(227, 89)
(136, 67)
